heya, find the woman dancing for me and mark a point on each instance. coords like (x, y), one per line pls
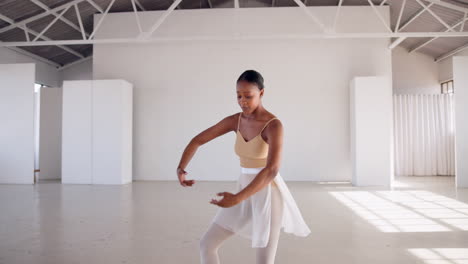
(263, 204)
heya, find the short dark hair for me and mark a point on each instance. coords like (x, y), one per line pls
(252, 76)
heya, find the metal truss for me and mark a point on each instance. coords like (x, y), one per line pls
(40, 38)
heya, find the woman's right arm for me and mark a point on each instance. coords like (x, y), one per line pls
(222, 127)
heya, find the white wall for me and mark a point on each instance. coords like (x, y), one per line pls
(17, 123)
(80, 71)
(45, 73)
(414, 73)
(445, 67)
(183, 87)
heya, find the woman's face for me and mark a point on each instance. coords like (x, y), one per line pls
(248, 96)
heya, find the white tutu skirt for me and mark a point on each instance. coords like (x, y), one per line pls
(251, 218)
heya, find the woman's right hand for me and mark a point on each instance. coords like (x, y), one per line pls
(181, 175)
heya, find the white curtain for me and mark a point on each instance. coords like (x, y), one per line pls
(424, 134)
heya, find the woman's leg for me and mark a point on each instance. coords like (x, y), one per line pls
(267, 254)
(210, 243)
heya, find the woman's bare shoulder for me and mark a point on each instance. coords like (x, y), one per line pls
(232, 120)
(274, 122)
(234, 116)
(272, 116)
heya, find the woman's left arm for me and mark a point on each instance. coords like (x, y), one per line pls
(274, 133)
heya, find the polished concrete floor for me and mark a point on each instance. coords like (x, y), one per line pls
(422, 220)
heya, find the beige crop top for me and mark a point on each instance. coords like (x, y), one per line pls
(252, 153)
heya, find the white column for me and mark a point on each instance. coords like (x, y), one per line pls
(112, 132)
(97, 132)
(371, 131)
(460, 82)
(17, 123)
(76, 132)
(50, 133)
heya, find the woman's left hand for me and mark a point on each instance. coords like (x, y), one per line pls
(228, 200)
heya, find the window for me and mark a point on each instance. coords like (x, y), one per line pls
(447, 87)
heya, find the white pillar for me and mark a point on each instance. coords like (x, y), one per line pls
(76, 132)
(97, 132)
(371, 131)
(17, 123)
(112, 132)
(50, 136)
(460, 82)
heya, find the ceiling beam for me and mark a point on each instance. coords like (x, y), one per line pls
(63, 19)
(102, 19)
(380, 16)
(461, 22)
(51, 24)
(383, 2)
(451, 53)
(414, 16)
(396, 42)
(308, 13)
(74, 63)
(38, 16)
(337, 14)
(245, 37)
(140, 5)
(8, 20)
(434, 14)
(448, 5)
(402, 8)
(137, 17)
(96, 6)
(26, 33)
(147, 35)
(399, 40)
(78, 15)
(34, 56)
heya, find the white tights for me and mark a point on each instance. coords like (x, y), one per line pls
(216, 235)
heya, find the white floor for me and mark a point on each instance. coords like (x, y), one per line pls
(424, 220)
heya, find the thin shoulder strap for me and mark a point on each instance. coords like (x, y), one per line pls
(238, 122)
(267, 123)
